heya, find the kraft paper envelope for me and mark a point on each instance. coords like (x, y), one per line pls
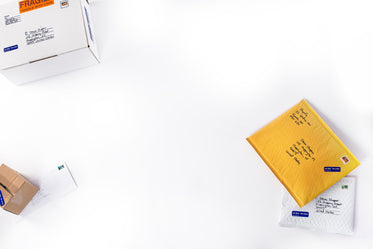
(303, 152)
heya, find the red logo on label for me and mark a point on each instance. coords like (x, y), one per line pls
(345, 160)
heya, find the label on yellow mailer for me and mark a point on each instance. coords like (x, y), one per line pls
(303, 152)
(28, 5)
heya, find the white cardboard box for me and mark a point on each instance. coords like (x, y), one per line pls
(42, 38)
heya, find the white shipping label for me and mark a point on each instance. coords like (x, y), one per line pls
(39, 35)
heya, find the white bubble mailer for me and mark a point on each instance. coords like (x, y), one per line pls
(332, 211)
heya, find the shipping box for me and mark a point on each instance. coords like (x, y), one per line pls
(15, 191)
(42, 38)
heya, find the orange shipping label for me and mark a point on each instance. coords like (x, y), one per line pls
(28, 5)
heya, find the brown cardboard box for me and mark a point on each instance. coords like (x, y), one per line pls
(15, 191)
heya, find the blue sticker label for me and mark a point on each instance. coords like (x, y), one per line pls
(332, 169)
(11, 48)
(300, 214)
(2, 202)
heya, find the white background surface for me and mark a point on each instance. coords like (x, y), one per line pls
(155, 134)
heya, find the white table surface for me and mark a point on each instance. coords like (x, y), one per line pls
(155, 134)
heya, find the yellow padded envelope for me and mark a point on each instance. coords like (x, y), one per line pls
(303, 152)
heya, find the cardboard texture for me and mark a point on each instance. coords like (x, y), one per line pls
(45, 38)
(303, 152)
(15, 191)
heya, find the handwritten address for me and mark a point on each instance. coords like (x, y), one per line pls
(328, 206)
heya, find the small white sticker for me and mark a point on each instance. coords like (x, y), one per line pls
(64, 4)
(345, 159)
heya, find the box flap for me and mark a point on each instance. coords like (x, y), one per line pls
(11, 179)
(21, 198)
(15, 191)
(7, 176)
(16, 184)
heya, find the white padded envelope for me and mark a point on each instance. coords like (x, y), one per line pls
(332, 211)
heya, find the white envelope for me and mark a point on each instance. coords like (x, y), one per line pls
(332, 211)
(54, 185)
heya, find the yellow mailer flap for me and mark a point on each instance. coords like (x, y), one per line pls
(303, 152)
